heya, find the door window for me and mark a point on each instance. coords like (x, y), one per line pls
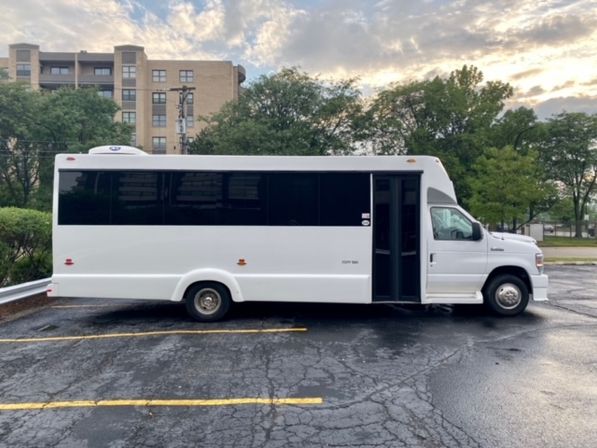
(450, 224)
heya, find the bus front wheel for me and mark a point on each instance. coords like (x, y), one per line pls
(207, 301)
(506, 295)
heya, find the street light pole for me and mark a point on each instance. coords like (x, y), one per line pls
(181, 122)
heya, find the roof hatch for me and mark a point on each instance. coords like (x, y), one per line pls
(117, 149)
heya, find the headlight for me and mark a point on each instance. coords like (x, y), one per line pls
(539, 262)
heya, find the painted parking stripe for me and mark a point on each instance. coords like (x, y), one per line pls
(188, 403)
(152, 333)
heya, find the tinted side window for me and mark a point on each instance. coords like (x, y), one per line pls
(345, 198)
(293, 199)
(195, 199)
(137, 198)
(84, 198)
(246, 202)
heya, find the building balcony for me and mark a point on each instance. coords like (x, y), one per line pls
(92, 80)
(46, 78)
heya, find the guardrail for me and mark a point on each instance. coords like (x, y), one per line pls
(16, 292)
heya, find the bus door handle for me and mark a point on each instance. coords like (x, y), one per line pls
(432, 259)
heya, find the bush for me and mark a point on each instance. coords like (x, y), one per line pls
(25, 245)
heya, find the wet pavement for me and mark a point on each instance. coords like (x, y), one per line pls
(375, 375)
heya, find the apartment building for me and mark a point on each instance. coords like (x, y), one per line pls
(142, 87)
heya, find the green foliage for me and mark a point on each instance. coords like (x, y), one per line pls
(3, 74)
(506, 184)
(35, 126)
(449, 118)
(570, 157)
(288, 113)
(518, 128)
(25, 245)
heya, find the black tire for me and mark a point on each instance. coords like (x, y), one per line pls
(506, 295)
(207, 301)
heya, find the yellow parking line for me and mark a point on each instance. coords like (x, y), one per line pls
(153, 333)
(105, 403)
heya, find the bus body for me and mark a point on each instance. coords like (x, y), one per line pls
(351, 229)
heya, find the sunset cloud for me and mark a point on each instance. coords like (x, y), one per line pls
(547, 50)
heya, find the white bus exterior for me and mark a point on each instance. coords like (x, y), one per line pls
(212, 230)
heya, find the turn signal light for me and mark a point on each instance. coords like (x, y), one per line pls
(539, 262)
(69, 262)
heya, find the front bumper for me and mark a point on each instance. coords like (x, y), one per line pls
(539, 283)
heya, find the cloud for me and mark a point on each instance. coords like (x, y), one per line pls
(526, 74)
(544, 47)
(566, 85)
(552, 106)
(557, 29)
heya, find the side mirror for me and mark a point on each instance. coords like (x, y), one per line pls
(477, 232)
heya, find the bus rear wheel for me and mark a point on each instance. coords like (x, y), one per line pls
(506, 295)
(207, 301)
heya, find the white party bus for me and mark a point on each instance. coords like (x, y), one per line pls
(214, 230)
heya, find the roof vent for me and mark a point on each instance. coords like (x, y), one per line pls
(117, 149)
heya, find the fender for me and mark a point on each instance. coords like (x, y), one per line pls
(207, 275)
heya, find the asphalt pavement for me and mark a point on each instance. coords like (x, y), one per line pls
(88, 373)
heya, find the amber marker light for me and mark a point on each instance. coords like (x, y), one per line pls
(241, 262)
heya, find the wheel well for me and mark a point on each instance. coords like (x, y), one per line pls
(512, 270)
(184, 296)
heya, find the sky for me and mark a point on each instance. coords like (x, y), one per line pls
(546, 49)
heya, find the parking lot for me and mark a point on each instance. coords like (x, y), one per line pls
(90, 373)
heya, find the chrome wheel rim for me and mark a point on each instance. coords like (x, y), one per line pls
(207, 301)
(508, 296)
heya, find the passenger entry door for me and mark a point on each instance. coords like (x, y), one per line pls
(456, 263)
(396, 238)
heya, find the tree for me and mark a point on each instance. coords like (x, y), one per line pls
(35, 126)
(449, 118)
(3, 74)
(506, 186)
(20, 154)
(570, 156)
(286, 113)
(518, 128)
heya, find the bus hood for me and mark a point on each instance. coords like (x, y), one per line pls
(513, 237)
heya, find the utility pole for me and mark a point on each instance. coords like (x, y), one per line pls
(181, 122)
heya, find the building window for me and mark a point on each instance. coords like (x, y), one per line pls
(158, 97)
(186, 76)
(129, 95)
(59, 70)
(102, 71)
(158, 121)
(106, 93)
(190, 98)
(133, 139)
(158, 144)
(129, 117)
(129, 71)
(23, 69)
(190, 121)
(158, 75)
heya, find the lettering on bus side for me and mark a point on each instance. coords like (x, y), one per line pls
(210, 198)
